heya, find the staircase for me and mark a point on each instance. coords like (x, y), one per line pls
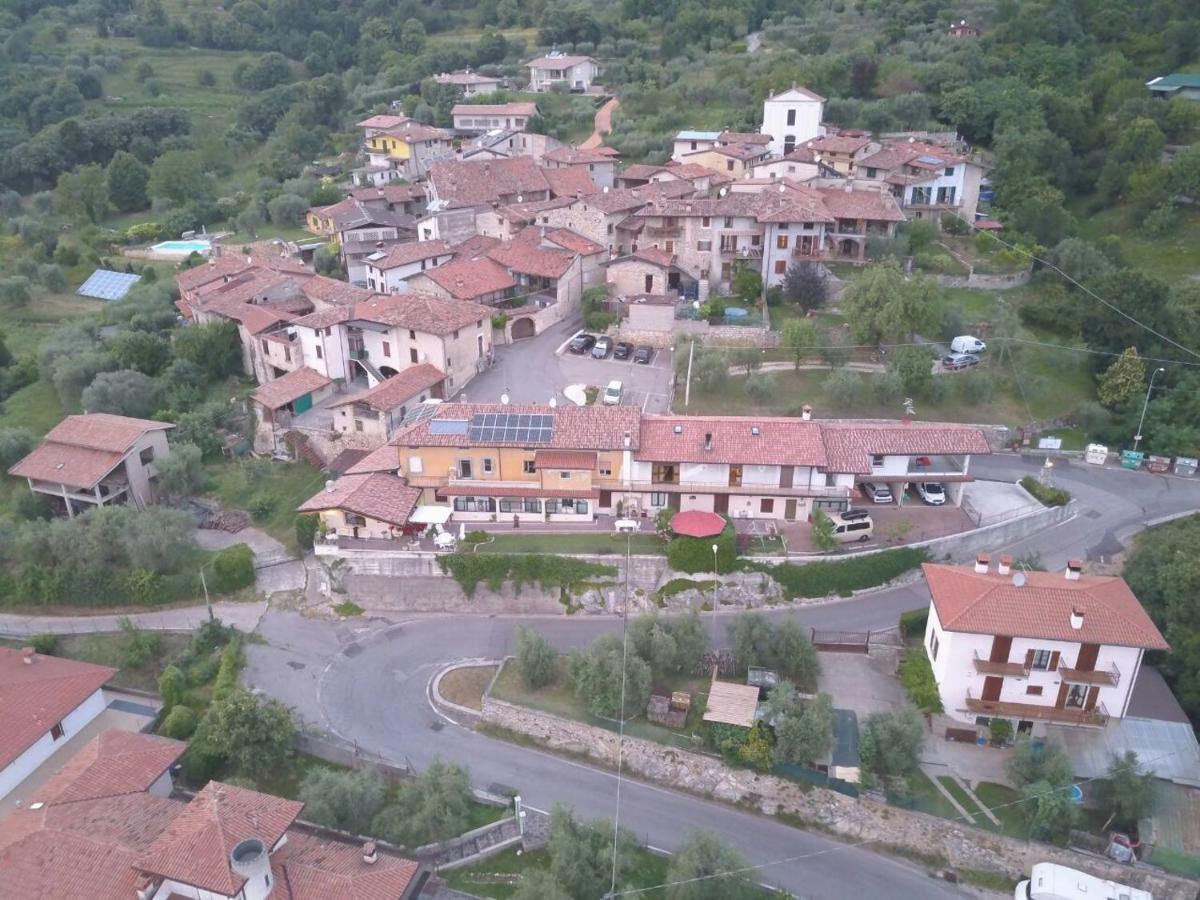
(369, 368)
(301, 448)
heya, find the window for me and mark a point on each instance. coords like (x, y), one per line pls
(877, 461)
(358, 425)
(354, 520)
(456, 332)
(1076, 695)
(474, 504)
(415, 465)
(605, 469)
(871, 173)
(703, 246)
(387, 349)
(766, 505)
(610, 229)
(949, 171)
(487, 464)
(533, 505)
(511, 505)
(464, 468)
(669, 246)
(1041, 659)
(729, 165)
(56, 731)
(658, 499)
(412, 354)
(693, 145)
(564, 475)
(705, 222)
(147, 456)
(781, 241)
(791, 117)
(319, 356)
(529, 467)
(781, 267)
(551, 507)
(933, 645)
(789, 143)
(728, 221)
(412, 335)
(1034, 690)
(783, 226)
(266, 347)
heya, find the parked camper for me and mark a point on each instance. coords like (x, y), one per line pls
(1052, 882)
(964, 343)
(853, 525)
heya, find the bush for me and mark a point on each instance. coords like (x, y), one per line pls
(596, 678)
(434, 806)
(1001, 731)
(307, 527)
(689, 554)
(137, 647)
(14, 444)
(44, 643)
(493, 569)
(179, 724)
(914, 622)
(347, 801)
(231, 660)
(890, 746)
(916, 674)
(842, 577)
(233, 569)
(537, 661)
(171, 685)
(1047, 496)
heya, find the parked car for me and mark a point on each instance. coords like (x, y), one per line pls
(643, 355)
(612, 393)
(581, 343)
(858, 528)
(602, 348)
(964, 343)
(931, 492)
(956, 361)
(622, 350)
(879, 493)
(1050, 881)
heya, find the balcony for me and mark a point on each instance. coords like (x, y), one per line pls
(1096, 718)
(1104, 678)
(929, 466)
(1006, 669)
(742, 252)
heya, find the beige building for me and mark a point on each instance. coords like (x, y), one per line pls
(377, 412)
(374, 505)
(475, 117)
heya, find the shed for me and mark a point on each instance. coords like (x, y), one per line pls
(731, 704)
(844, 759)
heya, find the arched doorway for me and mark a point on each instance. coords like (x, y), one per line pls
(523, 328)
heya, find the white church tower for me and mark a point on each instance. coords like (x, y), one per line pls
(792, 117)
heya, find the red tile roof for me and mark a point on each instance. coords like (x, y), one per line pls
(421, 312)
(877, 206)
(36, 696)
(574, 156)
(461, 183)
(572, 181)
(524, 254)
(398, 389)
(475, 246)
(406, 254)
(575, 427)
(415, 133)
(794, 89)
(377, 496)
(620, 200)
(114, 762)
(743, 137)
(494, 109)
(850, 445)
(290, 387)
(565, 459)
(780, 441)
(573, 241)
(466, 279)
(80, 450)
(382, 121)
(194, 849)
(641, 171)
(838, 143)
(655, 256)
(309, 868)
(333, 292)
(255, 318)
(557, 62)
(381, 459)
(1041, 608)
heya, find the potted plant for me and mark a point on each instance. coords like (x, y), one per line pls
(1001, 730)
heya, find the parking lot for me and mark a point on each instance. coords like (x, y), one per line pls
(533, 371)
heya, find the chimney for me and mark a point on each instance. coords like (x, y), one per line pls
(329, 486)
(1005, 565)
(628, 440)
(1074, 569)
(370, 853)
(28, 656)
(1076, 618)
(982, 561)
(806, 413)
(708, 440)
(144, 887)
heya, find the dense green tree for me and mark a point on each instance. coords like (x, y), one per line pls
(253, 736)
(1123, 379)
(171, 686)
(890, 745)
(178, 176)
(1045, 761)
(345, 800)
(537, 660)
(706, 868)
(581, 854)
(434, 806)
(125, 392)
(1048, 811)
(798, 339)
(140, 350)
(1142, 296)
(1127, 790)
(214, 348)
(596, 678)
(913, 366)
(803, 729)
(181, 473)
(881, 304)
(15, 442)
(83, 193)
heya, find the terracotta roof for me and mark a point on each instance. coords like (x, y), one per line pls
(421, 312)
(731, 704)
(618, 200)
(476, 182)
(323, 318)
(382, 121)
(214, 269)
(641, 171)
(691, 170)
(736, 151)
(655, 256)
(803, 92)
(486, 489)
(332, 291)
(780, 441)
(309, 868)
(875, 205)
(475, 246)
(1041, 608)
(194, 849)
(838, 143)
(573, 156)
(392, 392)
(743, 137)
(571, 181)
(523, 254)
(466, 279)
(494, 109)
(114, 762)
(894, 154)
(81, 450)
(801, 155)
(465, 78)
(377, 496)
(416, 133)
(573, 241)
(527, 212)
(558, 62)
(36, 696)
(390, 193)
(256, 318)
(290, 387)
(574, 427)
(565, 459)
(850, 445)
(406, 254)
(381, 459)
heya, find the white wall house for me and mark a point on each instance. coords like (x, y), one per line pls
(388, 270)
(686, 142)
(575, 72)
(1035, 648)
(792, 117)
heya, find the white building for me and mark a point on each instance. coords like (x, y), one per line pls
(929, 180)
(792, 117)
(480, 117)
(575, 72)
(1034, 648)
(686, 142)
(44, 700)
(388, 271)
(470, 83)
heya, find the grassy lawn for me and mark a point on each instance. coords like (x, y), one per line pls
(927, 798)
(999, 799)
(960, 795)
(1171, 257)
(106, 650)
(601, 543)
(25, 327)
(466, 686)
(500, 876)
(34, 406)
(270, 491)
(1176, 862)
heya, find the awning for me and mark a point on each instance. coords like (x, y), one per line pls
(697, 523)
(431, 515)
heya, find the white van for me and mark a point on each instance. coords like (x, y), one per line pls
(964, 343)
(1048, 881)
(853, 525)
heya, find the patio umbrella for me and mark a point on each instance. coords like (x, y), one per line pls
(697, 523)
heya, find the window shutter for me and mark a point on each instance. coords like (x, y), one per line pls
(1028, 659)
(1054, 661)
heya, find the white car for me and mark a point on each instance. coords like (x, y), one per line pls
(612, 393)
(879, 493)
(965, 343)
(931, 492)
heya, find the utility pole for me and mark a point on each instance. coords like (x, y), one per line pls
(207, 602)
(1137, 438)
(687, 387)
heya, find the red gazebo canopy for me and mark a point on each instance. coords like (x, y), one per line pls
(697, 523)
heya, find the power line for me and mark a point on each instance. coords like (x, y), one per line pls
(621, 715)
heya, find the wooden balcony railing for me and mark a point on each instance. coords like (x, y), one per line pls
(1007, 669)
(1097, 717)
(1107, 677)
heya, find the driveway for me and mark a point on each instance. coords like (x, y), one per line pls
(602, 125)
(532, 371)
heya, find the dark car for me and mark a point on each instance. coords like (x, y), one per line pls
(643, 355)
(581, 343)
(602, 348)
(956, 361)
(623, 350)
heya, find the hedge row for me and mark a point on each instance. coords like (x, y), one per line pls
(1048, 496)
(493, 569)
(843, 577)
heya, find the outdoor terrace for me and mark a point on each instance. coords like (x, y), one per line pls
(1097, 717)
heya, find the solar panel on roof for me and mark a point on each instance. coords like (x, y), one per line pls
(930, 160)
(448, 426)
(105, 284)
(511, 428)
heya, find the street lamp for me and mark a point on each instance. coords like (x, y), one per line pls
(716, 584)
(1137, 438)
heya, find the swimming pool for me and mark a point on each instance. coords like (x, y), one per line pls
(182, 248)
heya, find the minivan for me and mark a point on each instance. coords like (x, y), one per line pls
(855, 528)
(879, 493)
(964, 343)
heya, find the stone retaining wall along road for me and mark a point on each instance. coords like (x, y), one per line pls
(857, 821)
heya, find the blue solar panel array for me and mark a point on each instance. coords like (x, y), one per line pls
(520, 428)
(930, 160)
(105, 284)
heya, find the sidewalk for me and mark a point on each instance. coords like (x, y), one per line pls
(244, 616)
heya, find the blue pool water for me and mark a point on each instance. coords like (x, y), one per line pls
(183, 247)
(736, 313)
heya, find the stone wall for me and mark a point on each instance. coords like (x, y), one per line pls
(856, 820)
(980, 282)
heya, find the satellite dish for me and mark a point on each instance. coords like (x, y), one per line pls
(504, 398)
(1018, 579)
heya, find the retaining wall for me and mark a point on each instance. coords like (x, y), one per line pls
(856, 820)
(981, 282)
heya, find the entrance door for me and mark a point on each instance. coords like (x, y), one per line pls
(735, 476)
(523, 328)
(302, 404)
(649, 284)
(605, 499)
(1001, 646)
(1092, 694)
(1086, 661)
(786, 474)
(991, 687)
(789, 509)
(721, 503)
(672, 281)
(673, 501)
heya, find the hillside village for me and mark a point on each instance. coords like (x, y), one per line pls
(787, 491)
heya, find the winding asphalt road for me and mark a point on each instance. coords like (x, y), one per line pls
(367, 681)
